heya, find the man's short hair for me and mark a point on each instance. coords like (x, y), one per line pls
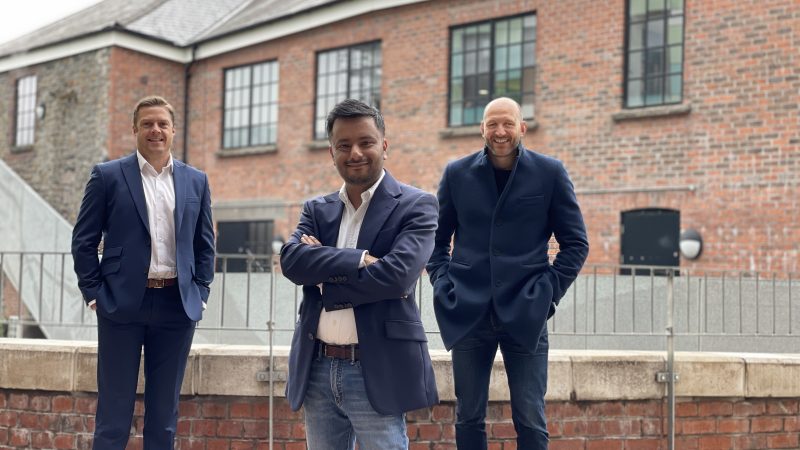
(153, 100)
(353, 109)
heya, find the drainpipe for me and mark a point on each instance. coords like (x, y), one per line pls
(186, 77)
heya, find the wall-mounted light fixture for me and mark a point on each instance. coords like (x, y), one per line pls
(40, 111)
(691, 244)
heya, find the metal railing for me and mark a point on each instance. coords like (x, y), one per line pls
(251, 303)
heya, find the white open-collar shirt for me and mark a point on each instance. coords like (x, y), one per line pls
(339, 327)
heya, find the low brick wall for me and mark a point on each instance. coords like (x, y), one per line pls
(596, 400)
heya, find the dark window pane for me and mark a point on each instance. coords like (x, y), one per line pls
(654, 62)
(655, 33)
(654, 88)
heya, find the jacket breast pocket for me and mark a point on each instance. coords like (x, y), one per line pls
(531, 199)
(405, 330)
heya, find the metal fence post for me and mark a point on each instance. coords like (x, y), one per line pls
(670, 361)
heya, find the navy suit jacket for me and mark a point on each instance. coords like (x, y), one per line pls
(398, 228)
(499, 256)
(115, 209)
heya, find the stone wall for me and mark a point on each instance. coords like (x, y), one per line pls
(73, 134)
(596, 400)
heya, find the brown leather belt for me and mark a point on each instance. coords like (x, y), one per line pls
(158, 283)
(338, 351)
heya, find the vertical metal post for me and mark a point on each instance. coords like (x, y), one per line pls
(670, 362)
(271, 327)
(20, 308)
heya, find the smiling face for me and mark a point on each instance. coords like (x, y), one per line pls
(502, 129)
(358, 149)
(154, 132)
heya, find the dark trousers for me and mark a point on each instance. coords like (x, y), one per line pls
(163, 329)
(473, 358)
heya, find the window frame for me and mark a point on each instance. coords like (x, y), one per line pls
(666, 73)
(29, 113)
(376, 90)
(491, 72)
(250, 108)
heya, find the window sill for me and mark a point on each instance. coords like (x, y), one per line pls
(318, 144)
(22, 149)
(475, 130)
(247, 151)
(652, 112)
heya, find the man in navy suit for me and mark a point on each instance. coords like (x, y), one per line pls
(359, 357)
(498, 288)
(153, 214)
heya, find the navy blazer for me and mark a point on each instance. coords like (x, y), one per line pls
(114, 208)
(398, 228)
(500, 247)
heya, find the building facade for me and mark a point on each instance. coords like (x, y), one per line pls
(676, 111)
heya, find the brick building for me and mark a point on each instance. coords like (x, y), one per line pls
(660, 109)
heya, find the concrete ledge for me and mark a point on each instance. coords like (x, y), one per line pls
(590, 375)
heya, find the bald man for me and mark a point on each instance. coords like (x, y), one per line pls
(498, 288)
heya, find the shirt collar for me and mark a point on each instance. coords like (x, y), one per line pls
(366, 195)
(143, 162)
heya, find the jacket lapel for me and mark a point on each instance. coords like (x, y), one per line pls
(329, 217)
(384, 201)
(179, 182)
(133, 177)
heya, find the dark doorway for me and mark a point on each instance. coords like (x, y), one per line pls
(649, 237)
(251, 238)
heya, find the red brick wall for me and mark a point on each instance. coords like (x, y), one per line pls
(740, 145)
(40, 419)
(135, 75)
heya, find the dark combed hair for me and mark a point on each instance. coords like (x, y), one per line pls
(353, 109)
(153, 100)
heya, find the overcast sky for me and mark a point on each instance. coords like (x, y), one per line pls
(18, 17)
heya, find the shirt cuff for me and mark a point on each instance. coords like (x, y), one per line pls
(361, 263)
(204, 305)
(91, 302)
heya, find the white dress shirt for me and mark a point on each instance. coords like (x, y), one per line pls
(159, 194)
(339, 327)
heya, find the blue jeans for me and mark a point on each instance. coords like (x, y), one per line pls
(473, 357)
(338, 413)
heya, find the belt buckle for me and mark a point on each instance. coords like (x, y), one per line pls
(158, 283)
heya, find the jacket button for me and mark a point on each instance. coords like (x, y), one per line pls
(310, 336)
(495, 252)
(498, 283)
(499, 223)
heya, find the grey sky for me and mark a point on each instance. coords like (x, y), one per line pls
(22, 16)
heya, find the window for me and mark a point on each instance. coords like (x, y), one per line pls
(252, 239)
(26, 111)
(352, 72)
(489, 60)
(251, 105)
(654, 62)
